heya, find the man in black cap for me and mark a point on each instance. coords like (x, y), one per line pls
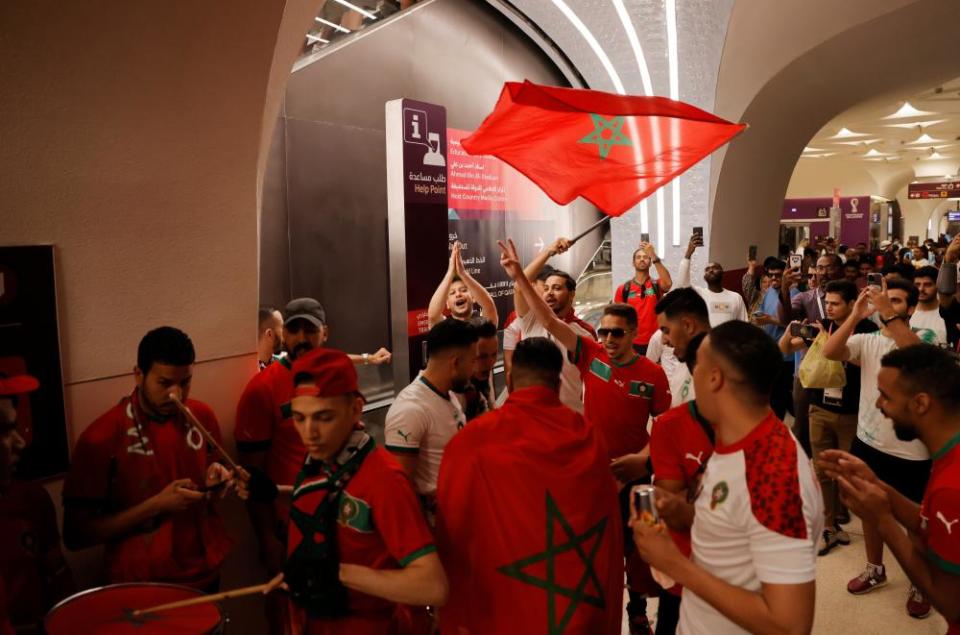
(267, 441)
(32, 568)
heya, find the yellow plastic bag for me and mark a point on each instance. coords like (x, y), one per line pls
(816, 371)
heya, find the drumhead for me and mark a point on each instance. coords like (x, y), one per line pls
(108, 611)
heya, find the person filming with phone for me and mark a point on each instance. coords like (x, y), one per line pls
(833, 410)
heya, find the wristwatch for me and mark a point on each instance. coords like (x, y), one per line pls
(366, 358)
(890, 319)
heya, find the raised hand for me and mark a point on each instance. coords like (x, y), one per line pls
(864, 307)
(696, 240)
(559, 246)
(177, 496)
(382, 356)
(509, 259)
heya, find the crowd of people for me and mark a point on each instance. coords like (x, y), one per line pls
(525, 511)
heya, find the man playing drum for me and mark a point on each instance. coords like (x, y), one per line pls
(141, 479)
(358, 547)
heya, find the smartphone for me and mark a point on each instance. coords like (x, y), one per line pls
(752, 253)
(644, 238)
(757, 314)
(804, 331)
(698, 231)
(796, 260)
(875, 280)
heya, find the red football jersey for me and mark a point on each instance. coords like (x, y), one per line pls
(30, 539)
(117, 464)
(5, 627)
(643, 298)
(381, 526)
(264, 423)
(940, 513)
(619, 399)
(679, 449)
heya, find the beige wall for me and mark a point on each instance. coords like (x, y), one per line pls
(132, 137)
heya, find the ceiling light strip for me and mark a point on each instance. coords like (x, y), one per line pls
(354, 7)
(674, 71)
(331, 24)
(314, 38)
(592, 41)
(635, 45)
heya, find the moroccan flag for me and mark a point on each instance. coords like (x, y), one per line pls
(613, 150)
(528, 524)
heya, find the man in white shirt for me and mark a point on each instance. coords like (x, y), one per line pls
(426, 414)
(758, 510)
(905, 465)
(927, 315)
(681, 314)
(723, 304)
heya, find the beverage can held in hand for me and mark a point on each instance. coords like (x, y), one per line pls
(644, 504)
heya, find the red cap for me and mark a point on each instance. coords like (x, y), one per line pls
(332, 372)
(17, 385)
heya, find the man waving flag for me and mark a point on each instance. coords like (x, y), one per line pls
(613, 150)
(528, 524)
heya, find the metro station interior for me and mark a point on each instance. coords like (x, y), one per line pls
(191, 161)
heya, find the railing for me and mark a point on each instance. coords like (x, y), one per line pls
(340, 18)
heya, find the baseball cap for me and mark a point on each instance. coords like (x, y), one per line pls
(331, 371)
(305, 309)
(885, 243)
(17, 384)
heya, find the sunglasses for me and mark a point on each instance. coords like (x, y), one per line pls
(617, 332)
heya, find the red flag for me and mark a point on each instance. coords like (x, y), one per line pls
(613, 150)
(528, 523)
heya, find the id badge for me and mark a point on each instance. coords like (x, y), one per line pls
(833, 396)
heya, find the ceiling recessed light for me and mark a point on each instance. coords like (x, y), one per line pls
(925, 138)
(809, 149)
(906, 110)
(846, 133)
(857, 142)
(915, 124)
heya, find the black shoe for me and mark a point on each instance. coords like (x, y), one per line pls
(843, 518)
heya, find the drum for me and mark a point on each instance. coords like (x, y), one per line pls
(109, 611)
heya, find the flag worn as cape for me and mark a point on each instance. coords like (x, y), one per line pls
(528, 524)
(613, 150)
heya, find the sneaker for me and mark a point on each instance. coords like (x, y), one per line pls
(917, 606)
(842, 537)
(827, 542)
(873, 577)
(640, 625)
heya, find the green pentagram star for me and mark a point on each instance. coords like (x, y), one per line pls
(614, 126)
(573, 542)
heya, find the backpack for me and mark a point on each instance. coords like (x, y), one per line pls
(625, 290)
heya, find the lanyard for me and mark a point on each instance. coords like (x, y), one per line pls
(823, 314)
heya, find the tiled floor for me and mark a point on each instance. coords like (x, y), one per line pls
(879, 612)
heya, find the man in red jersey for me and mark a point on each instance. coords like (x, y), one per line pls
(33, 571)
(642, 292)
(140, 477)
(681, 442)
(920, 391)
(358, 548)
(527, 524)
(622, 388)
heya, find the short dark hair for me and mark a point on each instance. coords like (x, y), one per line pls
(852, 263)
(568, 280)
(924, 249)
(538, 361)
(844, 288)
(927, 272)
(929, 369)
(685, 301)
(264, 313)
(773, 262)
(906, 270)
(690, 358)
(545, 273)
(913, 295)
(449, 334)
(484, 327)
(625, 311)
(165, 345)
(752, 353)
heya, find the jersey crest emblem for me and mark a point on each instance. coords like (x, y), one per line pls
(719, 494)
(641, 389)
(355, 514)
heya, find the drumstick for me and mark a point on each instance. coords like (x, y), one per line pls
(207, 436)
(203, 599)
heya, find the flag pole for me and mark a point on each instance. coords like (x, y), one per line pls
(590, 229)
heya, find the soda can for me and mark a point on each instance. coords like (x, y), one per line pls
(644, 504)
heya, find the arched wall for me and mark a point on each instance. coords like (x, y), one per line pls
(881, 50)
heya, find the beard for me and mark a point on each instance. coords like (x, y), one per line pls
(299, 349)
(459, 384)
(905, 432)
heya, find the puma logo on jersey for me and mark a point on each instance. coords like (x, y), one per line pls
(698, 458)
(619, 383)
(139, 446)
(948, 524)
(404, 435)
